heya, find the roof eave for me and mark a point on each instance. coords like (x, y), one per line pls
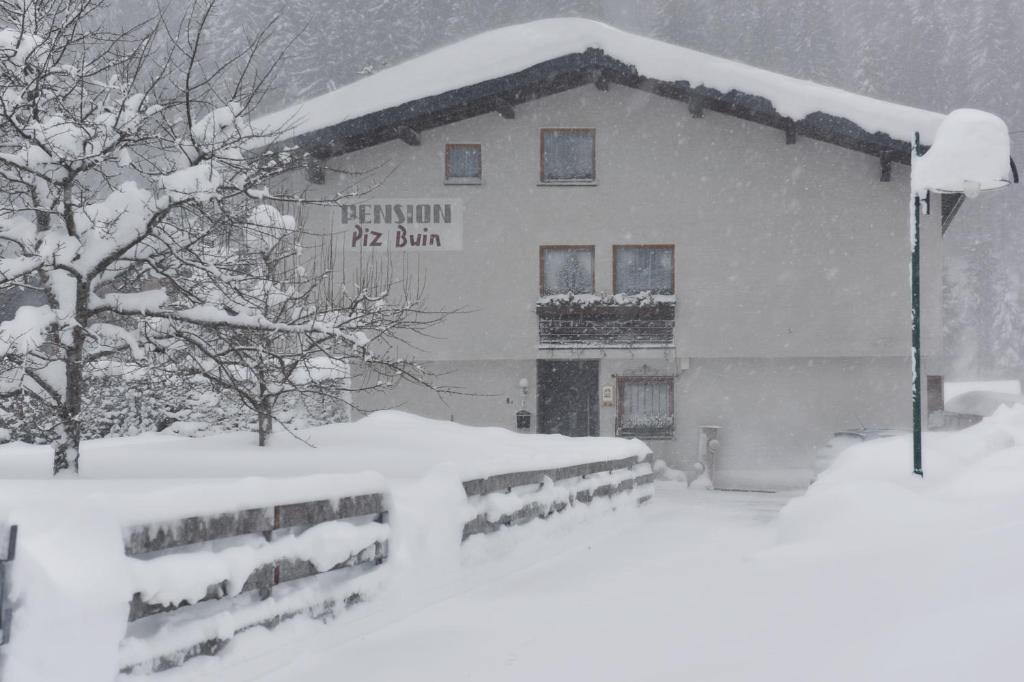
(568, 72)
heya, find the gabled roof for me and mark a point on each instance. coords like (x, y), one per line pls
(496, 70)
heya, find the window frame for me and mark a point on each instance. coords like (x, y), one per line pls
(569, 247)
(469, 180)
(616, 248)
(582, 182)
(668, 433)
(316, 170)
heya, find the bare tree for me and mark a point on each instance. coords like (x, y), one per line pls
(124, 164)
(270, 276)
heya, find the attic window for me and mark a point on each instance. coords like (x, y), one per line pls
(568, 156)
(462, 164)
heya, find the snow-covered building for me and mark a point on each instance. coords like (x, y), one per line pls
(643, 239)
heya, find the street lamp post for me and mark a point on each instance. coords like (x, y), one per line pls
(915, 307)
(970, 155)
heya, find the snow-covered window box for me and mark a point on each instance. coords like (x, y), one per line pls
(573, 300)
(568, 156)
(606, 320)
(645, 407)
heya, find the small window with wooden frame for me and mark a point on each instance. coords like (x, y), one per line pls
(316, 170)
(566, 270)
(645, 407)
(644, 268)
(463, 164)
(568, 156)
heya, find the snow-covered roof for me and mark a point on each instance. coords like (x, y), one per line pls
(495, 56)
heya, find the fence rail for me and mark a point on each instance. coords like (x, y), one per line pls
(277, 537)
(540, 493)
(8, 545)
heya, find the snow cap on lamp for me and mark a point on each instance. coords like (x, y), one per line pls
(971, 153)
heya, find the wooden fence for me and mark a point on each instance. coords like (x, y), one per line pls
(544, 492)
(8, 544)
(268, 527)
(204, 579)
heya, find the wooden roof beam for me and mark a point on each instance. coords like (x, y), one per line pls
(695, 103)
(885, 160)
(504, 108)
(408, 136)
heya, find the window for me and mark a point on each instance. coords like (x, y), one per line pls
(645, 407)
(567, 155)
(315, 170)
(462, 164)
(565, 269)
(640, 269)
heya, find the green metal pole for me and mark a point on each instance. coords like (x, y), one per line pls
(915, 310)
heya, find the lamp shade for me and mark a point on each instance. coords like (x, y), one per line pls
(971, 154)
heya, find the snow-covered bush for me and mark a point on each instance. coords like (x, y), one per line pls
(130, 403)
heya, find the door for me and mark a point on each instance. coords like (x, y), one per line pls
(567, 397)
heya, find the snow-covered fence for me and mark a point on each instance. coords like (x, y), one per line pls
(8, 542)
(514, 499)
(202, 580)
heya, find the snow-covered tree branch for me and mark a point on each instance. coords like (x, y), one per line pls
(133, 198)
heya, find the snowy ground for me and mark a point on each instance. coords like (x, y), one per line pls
(874, 574)
(691, 587)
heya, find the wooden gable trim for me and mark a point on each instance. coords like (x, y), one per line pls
(572, 71)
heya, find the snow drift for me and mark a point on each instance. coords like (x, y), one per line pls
(974, 479)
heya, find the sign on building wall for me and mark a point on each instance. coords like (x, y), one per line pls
(403, 224)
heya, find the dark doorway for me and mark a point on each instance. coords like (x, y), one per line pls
(567, 396)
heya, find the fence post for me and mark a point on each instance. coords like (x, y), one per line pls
(5, 609)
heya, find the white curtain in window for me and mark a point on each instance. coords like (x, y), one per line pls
(568, 154)
(646, 404)
(643, 268)
(463, 162)
(568, 270)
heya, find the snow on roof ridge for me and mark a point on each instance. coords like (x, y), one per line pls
(510, 49)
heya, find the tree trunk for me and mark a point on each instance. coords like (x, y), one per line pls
(264, 417)
(69, 434)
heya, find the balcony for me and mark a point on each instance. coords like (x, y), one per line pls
(619, 321)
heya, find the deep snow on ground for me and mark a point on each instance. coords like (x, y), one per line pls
(874, 574)
(71, 580)
(392, 443)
